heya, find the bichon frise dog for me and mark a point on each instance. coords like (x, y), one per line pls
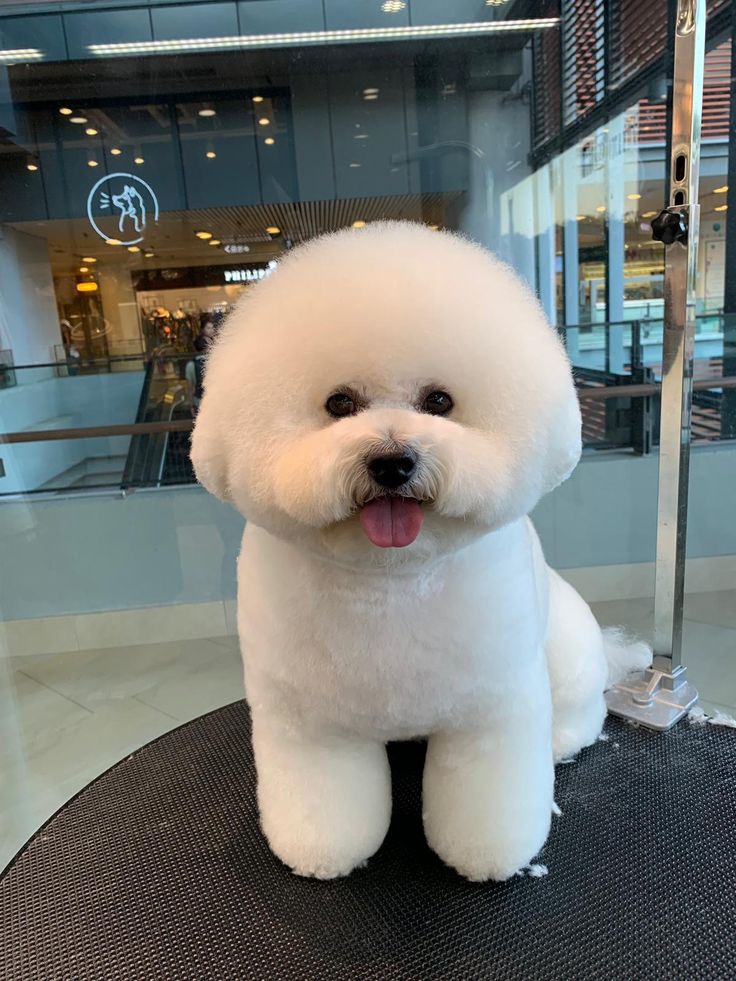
(386, 409)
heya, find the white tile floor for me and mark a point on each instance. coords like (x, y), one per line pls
(67, 717)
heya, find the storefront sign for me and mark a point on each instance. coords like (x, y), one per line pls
(120, 208)
(247, 275)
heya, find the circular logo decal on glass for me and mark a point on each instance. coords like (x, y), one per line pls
(120, 207)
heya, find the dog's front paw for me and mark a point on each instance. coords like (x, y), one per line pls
(325, 850)
(325, 805)
(484, 851)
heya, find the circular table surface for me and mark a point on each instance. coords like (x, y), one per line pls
(158, 870)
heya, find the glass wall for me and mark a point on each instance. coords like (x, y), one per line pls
(157, 160)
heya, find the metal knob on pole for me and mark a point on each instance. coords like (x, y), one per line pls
(660, 696)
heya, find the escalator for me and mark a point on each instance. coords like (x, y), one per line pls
(161, 459)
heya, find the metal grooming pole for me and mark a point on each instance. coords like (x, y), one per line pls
(660, 696)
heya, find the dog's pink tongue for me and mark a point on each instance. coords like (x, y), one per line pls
(392, 522)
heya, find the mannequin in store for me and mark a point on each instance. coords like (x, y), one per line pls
(386, 438)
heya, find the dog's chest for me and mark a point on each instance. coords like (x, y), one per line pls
(397, 654)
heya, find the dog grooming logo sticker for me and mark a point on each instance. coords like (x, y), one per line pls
(125, 205)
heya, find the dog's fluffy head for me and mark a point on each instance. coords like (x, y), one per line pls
(384, 316)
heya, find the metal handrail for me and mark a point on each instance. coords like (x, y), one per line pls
(185, 425)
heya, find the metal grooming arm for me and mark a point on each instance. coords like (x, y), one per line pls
(659, 697)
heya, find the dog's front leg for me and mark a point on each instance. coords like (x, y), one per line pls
(324, 799)
(488, 792)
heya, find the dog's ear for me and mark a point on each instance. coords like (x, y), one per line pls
(209, 452)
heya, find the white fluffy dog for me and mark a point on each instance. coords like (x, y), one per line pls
(385, 410)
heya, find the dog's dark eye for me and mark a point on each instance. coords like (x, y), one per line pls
(341, 404)
(437, 403)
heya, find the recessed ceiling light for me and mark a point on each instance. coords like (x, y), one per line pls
(210, 154)
(84, 268)
(88, 258)
(116, 151)
(204, 235)
(434, 228)
(258, 98)
(269, 141)
(91, 131)
(66, 111)
(214, 241)
(360, 136)
(580, 217)
(359, 224)
(634, 197)
(31, 166)
(721, 207)
(264, 121)
(92, 163)
(148, 255)
(133, 248)
(649, 214)
(80, 120)
(273, 230)
(138, 160)
(370, 91)
(355, 165)
(720, 190)
(370, 98)
(600, 209)
(113, 241)
(393, 6)
(207, 112)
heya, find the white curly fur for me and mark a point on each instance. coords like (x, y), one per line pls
(464, 636)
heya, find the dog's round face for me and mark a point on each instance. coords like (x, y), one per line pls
(387, 394)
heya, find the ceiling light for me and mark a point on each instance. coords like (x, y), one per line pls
(361, 136)
(580, 217)
(113, 241)
(133, 248)
(92, 163)
(116, 151)
(80, 120)
(434, 228)
(649, 214)
(66, 111)
(214, 241)
(264, 121)
(148, 255)
(369, 98)
(269, 141)
(496, 3)
(300, 38)
(210, 154)
(721, 207)
(87, 287)
(84, 268)
(633, 197)
(88, 258)
(207, 112)
(370, 91)
(138, 160)
(600, 209)
(91, 131)
(273, 230)
(31, 166)
(720, 190)
(393, 6)
(258, 98)
(355, 165)
(359, 224)
(203, 235)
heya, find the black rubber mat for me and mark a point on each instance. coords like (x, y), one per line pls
(158, 871)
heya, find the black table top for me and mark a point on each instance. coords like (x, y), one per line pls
(158, 870)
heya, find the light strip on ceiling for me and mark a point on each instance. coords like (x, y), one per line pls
(9, 56)
(321, 37)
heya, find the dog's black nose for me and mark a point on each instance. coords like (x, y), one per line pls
(392, 471)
